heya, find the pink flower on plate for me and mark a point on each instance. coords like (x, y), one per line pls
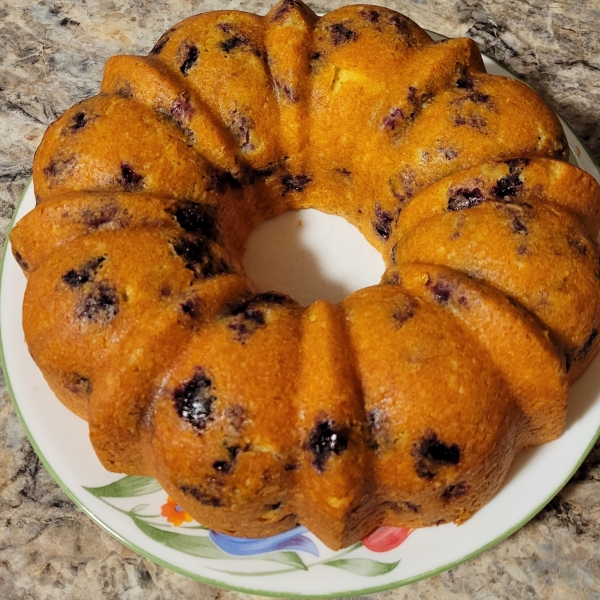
(386, 538)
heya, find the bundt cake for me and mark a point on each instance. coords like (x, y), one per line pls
(404, 404)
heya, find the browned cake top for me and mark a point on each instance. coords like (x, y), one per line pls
(405, 403)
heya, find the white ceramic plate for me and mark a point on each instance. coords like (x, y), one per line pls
(138, 512)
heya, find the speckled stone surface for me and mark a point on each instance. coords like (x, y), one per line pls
(51, 56)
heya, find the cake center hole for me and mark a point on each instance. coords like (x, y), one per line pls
(310, 255)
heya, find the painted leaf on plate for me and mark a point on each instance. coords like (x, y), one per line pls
(195, 545)
(362, 566)
(286, 558)
(127, 487)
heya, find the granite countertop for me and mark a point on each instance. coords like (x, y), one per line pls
(52, 56)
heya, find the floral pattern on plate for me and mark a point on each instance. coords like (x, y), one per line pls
(168, 526)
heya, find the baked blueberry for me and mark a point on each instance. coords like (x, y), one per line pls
(193, 400)
(99, 305)
(325, 439)
(200, 258)
(197, 218)
(294, 183)
(340, 34)
(190, 57)
(383, 222)
(129, 179)
(77, 277)
(462, 198)
(431, 453)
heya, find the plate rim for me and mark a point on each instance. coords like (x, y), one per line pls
(223, 585)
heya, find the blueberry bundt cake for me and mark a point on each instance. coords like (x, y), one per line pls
(403, 405)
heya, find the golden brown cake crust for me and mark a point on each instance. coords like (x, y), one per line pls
(404, 404)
